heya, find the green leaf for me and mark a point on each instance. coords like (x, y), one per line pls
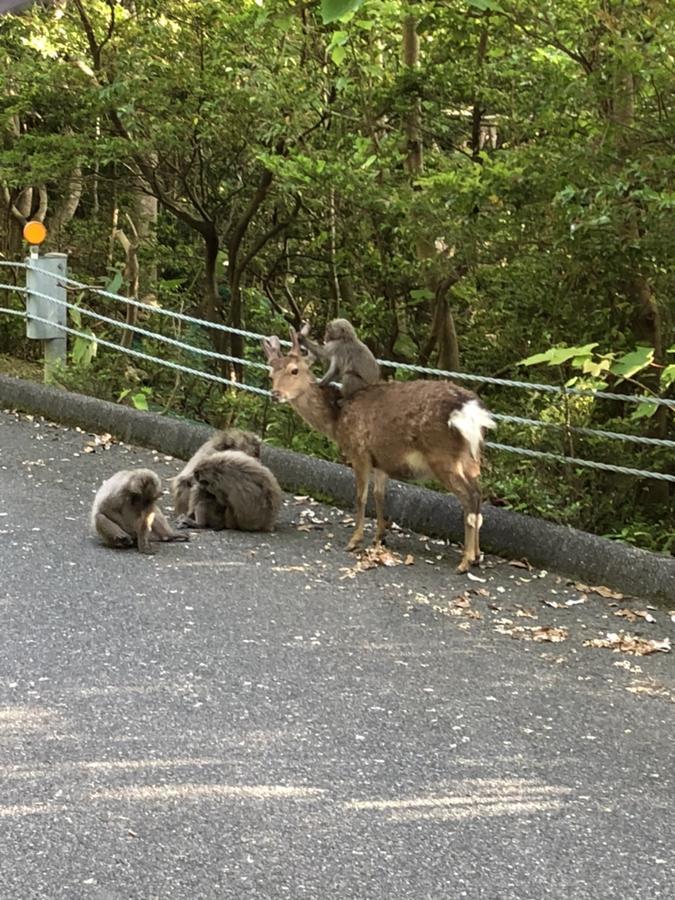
(644, 411)
(338, 54)
(332, 10)
(115, 283)
(140, 401)
(668, 376)
(558, 355)
(627, 365)
(595, 368)
(485, 5)
(84, 349)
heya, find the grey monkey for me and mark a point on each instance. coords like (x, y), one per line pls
(182, 484)
(350, 361)
(236, 491)
(125, 511)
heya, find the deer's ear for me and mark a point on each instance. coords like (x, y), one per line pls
(295, 341)
(271, 347)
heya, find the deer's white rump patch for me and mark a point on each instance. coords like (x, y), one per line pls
(470, 420)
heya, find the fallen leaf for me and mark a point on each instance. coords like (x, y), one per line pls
(625, 664)
(634, 614)
(525, 613)
(537, 633)
(520, 564)
(473, 577)
(671, 613)
(630, 643)
(554, 604)
(373, 557)
(409, 560)
(104, 441)
(574, 602)
(600, 589)
(652, 688)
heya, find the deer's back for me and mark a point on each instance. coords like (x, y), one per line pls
(399, 424)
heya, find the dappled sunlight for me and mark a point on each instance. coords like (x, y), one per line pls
(16, 720)
(189, 791)
(471, 799)
(20, 810)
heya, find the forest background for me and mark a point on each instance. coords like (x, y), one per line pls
(479, 186)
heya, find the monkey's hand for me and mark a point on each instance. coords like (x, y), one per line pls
(184, 522)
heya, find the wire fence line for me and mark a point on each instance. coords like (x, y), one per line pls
(411, 367)
(140, 355)
(181, 345)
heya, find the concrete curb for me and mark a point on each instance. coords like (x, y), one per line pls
(571, 552)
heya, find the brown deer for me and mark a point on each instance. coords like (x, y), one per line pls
(402, 429)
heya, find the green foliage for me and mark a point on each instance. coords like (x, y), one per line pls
(332, 10)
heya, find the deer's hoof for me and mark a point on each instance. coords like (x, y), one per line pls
(463, 567)
(354, 544)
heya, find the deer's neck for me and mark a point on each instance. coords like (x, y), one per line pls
(315, 408)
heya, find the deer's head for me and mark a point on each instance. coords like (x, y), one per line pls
(291, 374)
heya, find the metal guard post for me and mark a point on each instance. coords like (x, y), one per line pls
(45, 275)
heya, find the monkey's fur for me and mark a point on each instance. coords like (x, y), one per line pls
(125, 511)
(234, 490)
(350, 361)
(183, 483)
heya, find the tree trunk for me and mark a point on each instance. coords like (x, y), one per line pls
(411, 49)
(646, 320)
(145, 218)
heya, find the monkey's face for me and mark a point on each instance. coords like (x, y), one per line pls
(338, 330)
(146, 488)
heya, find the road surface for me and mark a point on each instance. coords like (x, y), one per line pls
(250, 716)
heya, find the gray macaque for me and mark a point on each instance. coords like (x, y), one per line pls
(349, 360)
(236, 490)
(125, 511)
(183, 483)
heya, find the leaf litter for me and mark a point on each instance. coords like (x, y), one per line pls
(622, 642)
(376, 556)
(100, 442)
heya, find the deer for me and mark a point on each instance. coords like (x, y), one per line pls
(402, 429)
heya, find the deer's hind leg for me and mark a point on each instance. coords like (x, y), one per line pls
(380, 480)
(461, 477)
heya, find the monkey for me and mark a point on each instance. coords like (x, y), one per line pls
(237, 491)
(182, 484)
(125, 511)
(349, 358)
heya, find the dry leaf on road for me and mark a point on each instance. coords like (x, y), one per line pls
(634, 614)
(537, 633)
(100, 441)
(600, 589)
(630, 643)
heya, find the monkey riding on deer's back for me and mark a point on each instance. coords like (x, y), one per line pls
(401, 429)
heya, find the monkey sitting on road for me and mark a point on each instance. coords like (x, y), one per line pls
(125, 511)
(182, 484)
(233, 490)
(350, 361)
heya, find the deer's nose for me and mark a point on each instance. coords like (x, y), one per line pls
(276, 396)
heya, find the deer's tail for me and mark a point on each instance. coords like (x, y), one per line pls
(471, 420)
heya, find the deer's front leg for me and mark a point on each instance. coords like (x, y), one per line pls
(362, 475)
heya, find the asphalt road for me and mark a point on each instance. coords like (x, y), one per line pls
(248, 716)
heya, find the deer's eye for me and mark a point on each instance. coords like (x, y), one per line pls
(294, 370)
